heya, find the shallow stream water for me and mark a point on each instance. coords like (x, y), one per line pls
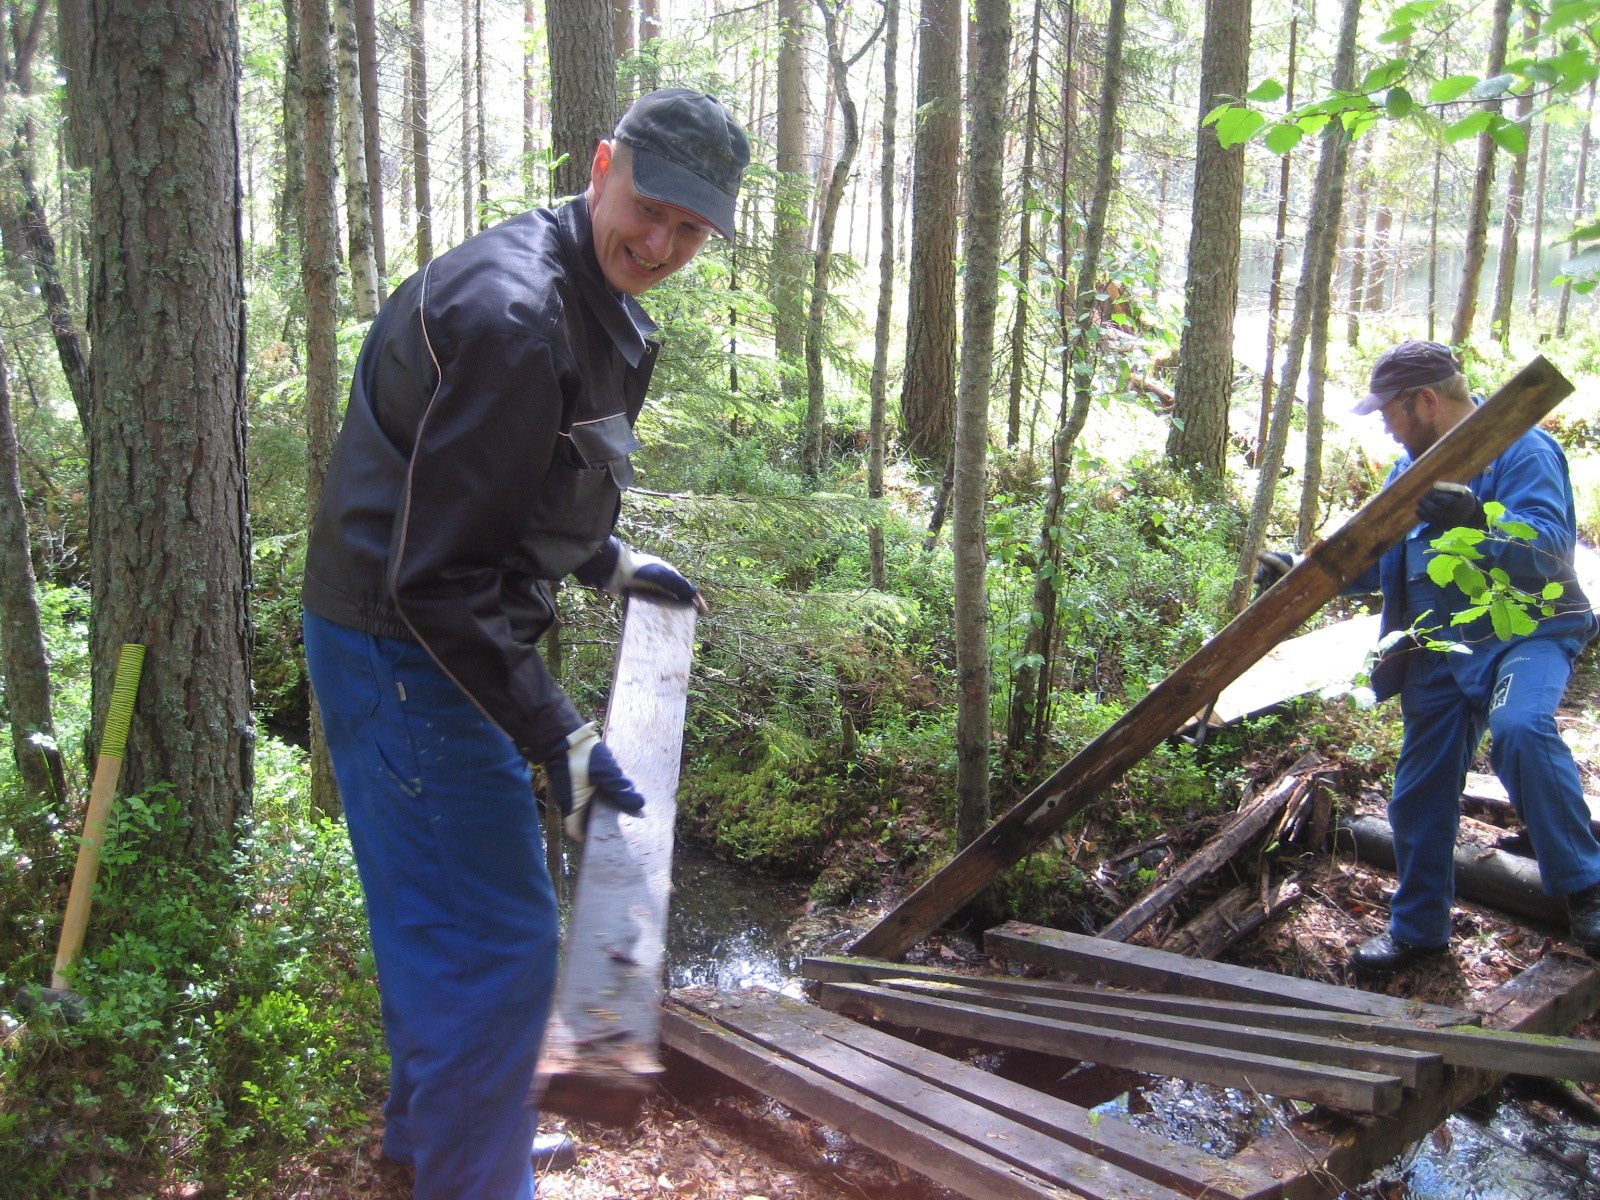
(731, 928)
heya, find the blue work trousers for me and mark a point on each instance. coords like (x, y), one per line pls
(447, 838)
(1443, 726)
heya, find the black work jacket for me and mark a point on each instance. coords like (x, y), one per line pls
(484, 452)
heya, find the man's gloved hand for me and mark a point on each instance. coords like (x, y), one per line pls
(585, 770)
(620, 569)
(1451, 505)
(1273, 565)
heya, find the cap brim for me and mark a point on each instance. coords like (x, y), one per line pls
(661, 179)
(1374, 401)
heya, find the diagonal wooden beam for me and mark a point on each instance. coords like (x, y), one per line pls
(1329, 566)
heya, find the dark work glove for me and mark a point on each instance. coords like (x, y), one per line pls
(1450, 505)
(585, 770)
(618, 568)
(1273, 565)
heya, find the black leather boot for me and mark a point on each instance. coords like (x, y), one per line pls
(1386, 954)
(553, 1152)
(1583, 910)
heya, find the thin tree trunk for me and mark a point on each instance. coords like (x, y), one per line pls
(1357, 230)
(1433, 232)
(1025, 250)
(1505, 279)
(1585, 140)
(319, 279)
(1198, 437)
(622, 27)
(366, 19)
(1316, 272)
(27, 667)
(790, 228)
(1535, 275)
(467, 161)
(1482, 187)
(421, 167)
(877, 431)
(530, 126)
(58, 307)
(357, 194)
(482, 123)
(1275, 288)
(1377, 268)
(291, 199)
(986, 202)
(816, 399)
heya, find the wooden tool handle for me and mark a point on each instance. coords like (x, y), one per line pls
(113, 745)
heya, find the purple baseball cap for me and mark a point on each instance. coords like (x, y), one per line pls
(1408, 365)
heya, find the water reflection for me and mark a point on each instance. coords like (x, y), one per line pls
(727, 926)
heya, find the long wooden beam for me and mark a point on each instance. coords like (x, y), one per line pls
(1329, 566)
(1341, 1087)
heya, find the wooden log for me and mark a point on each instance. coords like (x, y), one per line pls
(1156, 970)
(1320, 1157)
(1414, 1068)
(914, 1144)
(599, 1059)
(1328, 567)
(1459, 1045)
(1507, 882)
(780, 1025)
(1341, 1087)
(1182, 1168)
(1236, 914)
(1487, 792)
(1238, 832)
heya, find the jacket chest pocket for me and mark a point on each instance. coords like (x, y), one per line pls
(582, 493)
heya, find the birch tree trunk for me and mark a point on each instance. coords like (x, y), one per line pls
(357, 194)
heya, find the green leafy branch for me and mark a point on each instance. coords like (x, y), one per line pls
(1457, 557)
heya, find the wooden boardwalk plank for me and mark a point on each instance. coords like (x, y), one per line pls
(1341, 1087)
(1322, 1156)
(1158, 970)
(1182, 1168)
(771, 1023)
(1329, 565)
(1414, 1068)
(964, 1169)
(599, 1058)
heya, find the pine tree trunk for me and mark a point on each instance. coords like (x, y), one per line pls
(319, 279)
(986, 199)
(1505, 278)
(1482, 188)
(27, 668)
(421, 164)
(1316, 274)
(1198, 437)
(790, 228)
(927, 394)
(169, 534)
(366, 22)
(583, 86)
(877, 431)
(357, 194)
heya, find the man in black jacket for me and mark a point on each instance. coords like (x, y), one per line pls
(483, 455)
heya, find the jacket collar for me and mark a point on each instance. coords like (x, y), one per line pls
(622, 317)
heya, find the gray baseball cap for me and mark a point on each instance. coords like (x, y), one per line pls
(688, 151)
(1408, 365)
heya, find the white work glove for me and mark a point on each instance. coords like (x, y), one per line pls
(587, 768)
(619, 569)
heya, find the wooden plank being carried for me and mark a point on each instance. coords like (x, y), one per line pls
(599, 1059)
(1182, 1168)
(1459, 1045)
(1414, 1068)
(1329, 566)
(781, 1025)
(1341, 1087)
(1158, 970)
(914, 1144)
(1322, 1156)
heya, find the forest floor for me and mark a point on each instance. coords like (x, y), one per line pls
(700, 1140)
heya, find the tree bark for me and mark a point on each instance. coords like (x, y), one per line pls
(790, 229)
(27, 667)
(1357, 230)
(1585, 141)
(583, 86)
(1505, 278)
(366, 31)
(1275, 288)
(927, 394)
(291, 198)
(1198, 437)
(421, 164)
(985, 214)
(467, 160)
(169, 534)
(1025, 249)
(877, 429)
(1482, 187)
(319, 279)
(357, 193)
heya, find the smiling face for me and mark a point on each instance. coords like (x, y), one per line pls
(638, 241)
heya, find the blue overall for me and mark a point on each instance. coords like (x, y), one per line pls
(1509, 688)
(447, 838)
